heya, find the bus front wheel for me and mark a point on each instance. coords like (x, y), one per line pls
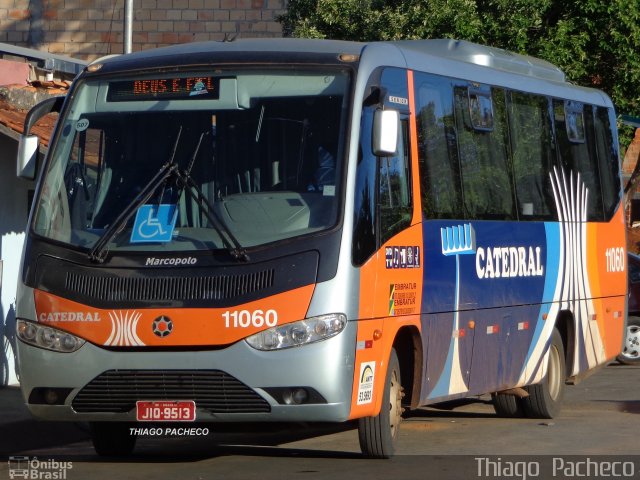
(112, 439)
(378, 434)
(545, 398)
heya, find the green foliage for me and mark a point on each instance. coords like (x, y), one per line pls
(595, 42)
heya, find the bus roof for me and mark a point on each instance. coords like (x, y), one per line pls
(483, 55)
(456, 58)
(199, 53)
(456, 50)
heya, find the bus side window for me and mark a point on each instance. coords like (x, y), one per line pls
(607, 160)
(487, 186)
(394, 194)
(575, 140)
(437, 148)
(533, 153)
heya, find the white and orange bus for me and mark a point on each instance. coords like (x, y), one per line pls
(301, 230)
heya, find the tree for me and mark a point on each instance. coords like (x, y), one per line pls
(595, 42)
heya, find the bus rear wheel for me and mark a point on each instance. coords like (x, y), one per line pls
(507, 405)
(545, 398)
(112, 439)
(378, 434)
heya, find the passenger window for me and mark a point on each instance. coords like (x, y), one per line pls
(533, 154)
(487, 186)
(608, 161)
(394, 193)
(437, 148)
(579, 158)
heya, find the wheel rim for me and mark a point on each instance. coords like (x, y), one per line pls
(395, 403)
(553, 373)
(631, 348)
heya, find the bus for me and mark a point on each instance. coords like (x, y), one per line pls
(294, 230)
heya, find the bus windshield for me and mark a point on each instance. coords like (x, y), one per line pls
(253, 155)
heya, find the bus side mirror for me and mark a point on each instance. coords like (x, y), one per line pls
(27, 156)
(385, 132)
(28, 144)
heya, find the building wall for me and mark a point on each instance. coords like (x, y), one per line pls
(14, 208)
(88, 29)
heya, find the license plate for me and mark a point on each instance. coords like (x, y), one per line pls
(166, 411)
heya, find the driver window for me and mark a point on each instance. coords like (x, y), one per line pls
(394, 193)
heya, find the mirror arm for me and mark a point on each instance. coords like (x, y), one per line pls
(53, 104)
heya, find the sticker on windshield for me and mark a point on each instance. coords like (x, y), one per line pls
(82, 124)
(154, 223)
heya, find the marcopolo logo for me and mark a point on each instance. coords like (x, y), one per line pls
(170, 262)
(162, 326)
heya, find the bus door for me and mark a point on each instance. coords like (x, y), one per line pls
(387, 235)
(399, 235)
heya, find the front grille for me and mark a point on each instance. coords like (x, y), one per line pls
(116, 391)
(168, 288)
(206, 284)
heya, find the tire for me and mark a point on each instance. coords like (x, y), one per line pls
(631, 349)
(507, 405)
(378, 434)
(545, 398)
(112, 439)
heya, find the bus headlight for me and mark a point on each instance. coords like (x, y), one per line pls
(47, 337)
(299, 333)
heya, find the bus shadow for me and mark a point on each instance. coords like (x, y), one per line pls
(28, 435)
(476, 408)
(624, 406)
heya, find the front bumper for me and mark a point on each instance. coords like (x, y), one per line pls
(325, 367)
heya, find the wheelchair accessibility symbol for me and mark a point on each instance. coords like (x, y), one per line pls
(154, 223)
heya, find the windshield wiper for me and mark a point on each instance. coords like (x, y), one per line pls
(99, 251)
(187, 184)
(236, 250)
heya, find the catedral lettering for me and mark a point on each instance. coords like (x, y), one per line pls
(69, 317)
(508, 262)
(276, 230)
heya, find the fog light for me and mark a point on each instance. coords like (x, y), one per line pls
(295, 396)
(51, 396)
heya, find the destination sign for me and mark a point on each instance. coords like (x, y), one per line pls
(180, 88)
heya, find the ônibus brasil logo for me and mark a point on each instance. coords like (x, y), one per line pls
(32, 468)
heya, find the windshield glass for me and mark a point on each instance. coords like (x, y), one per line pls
(260, 150)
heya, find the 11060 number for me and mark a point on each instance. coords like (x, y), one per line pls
(245, 318)
(615, 259)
